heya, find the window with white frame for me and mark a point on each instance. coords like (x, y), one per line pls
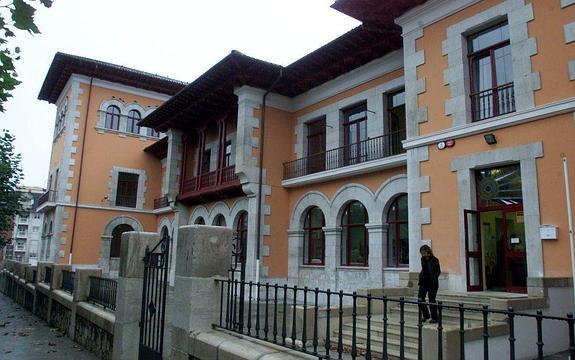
(134, 117)
(112, 120)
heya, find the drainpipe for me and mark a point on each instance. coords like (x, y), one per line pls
(80, 171)
(570, 218)
(260, 175)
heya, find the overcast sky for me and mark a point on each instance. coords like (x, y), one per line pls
(176, 38)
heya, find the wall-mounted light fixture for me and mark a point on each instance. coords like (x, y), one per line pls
(490, 139)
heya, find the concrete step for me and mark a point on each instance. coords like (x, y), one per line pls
(376, 349)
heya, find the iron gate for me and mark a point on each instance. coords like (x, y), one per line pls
(156, 266)
(235, 291)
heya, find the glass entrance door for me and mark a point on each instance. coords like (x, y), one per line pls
(515, 255)
(473, 253)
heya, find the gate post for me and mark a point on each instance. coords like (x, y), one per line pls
(203, 255)
(129, 293)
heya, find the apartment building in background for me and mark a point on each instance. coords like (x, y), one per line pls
(27, 228)
(434, 122)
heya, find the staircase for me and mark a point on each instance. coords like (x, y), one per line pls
(473, 324)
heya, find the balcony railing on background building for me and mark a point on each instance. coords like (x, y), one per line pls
(126, 200)
(48, 196)
(211, 179)
(493, 102)
(161, 202)
(103, 292)
(48, 275)
(351, 154)
(334, 325)
(68, 281)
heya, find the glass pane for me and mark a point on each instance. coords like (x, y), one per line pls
(482, 76)
(517, 272)
(357, 213)
(472, 238)
(515, 231)
(317, 246)
(391, 247)
(402, 207)
(474, 272)
(398, 99)
(343, 246)
(357, 245)
(499, 186)
(316, 218)
(490, 37)
(403, 244)
(503, 65)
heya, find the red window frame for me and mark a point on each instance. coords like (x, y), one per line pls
(228, 154)
(474, 55)
(395, 228)
(346, 235)
(112, 118)
(356, 152)
(309, 231)
(134, 117)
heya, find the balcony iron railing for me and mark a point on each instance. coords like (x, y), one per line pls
(161, 202)
(48, 196)
(493, 102)
(103, 292)
(211, 179)
(126, 200)
(351, 154)
(68, 281)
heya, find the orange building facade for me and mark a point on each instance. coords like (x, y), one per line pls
(435, 122)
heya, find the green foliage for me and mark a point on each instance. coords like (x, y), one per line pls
(10, 176)
(14, 16)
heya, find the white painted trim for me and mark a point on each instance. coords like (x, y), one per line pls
(370, 71)
(122, 88)
(164, 210)
(430, 12)
(120, 133)
(500, 122)
(351, 170)
(107, 208)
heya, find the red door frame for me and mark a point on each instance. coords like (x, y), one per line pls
(508, 254)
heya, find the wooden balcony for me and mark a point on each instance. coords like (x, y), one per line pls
(215, 185)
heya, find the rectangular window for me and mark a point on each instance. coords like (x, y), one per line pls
(490, 62)
(228, 154)
(127, 191)
(316, 146)
(395, 122)
(206, 162)
(355, 134)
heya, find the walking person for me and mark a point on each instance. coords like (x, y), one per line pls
(428, 283)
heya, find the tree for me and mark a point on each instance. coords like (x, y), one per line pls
(10, 176)
(14, 15)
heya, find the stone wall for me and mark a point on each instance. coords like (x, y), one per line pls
(88, 324)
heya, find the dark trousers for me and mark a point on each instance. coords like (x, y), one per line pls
(431, 292)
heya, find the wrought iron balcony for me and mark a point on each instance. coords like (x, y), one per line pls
(493, 102)
(161, 202)
(49, 197)
(351, 154)
(219, 184)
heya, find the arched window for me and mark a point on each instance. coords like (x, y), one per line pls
(242, 232)
(354, 238)
(133, 118)
(200, 221)
(112, 117)
(397, 236)
(164, 231)
(152, 132)
(115, 246)
(220, 220)
(314, 239)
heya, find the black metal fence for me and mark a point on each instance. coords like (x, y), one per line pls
(103, 292)
(331, 325)
(68, 281)
(48, 275)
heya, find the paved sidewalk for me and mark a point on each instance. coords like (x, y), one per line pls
(23, 336)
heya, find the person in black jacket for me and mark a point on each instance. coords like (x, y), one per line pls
(428, 282)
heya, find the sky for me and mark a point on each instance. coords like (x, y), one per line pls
(180, 39)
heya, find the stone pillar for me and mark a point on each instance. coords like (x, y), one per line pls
(105, 244)
(376, 253)
(203, 255)
(295, 244)
(173, 164)
(129, 293)
(332, 256)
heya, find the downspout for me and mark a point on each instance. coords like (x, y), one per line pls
(80, 171)
(261, 172)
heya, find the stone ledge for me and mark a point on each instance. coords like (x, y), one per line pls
(223, 345)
